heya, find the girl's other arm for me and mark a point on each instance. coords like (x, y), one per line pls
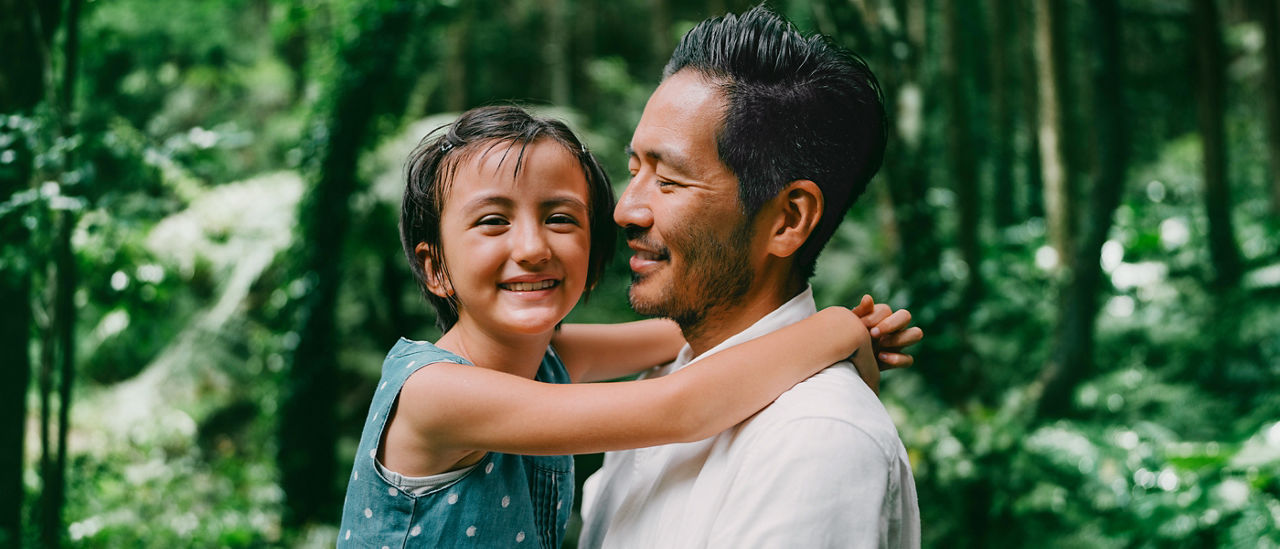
(596, 352)
(460, 407)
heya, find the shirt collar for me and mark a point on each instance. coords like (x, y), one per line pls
(798, 308)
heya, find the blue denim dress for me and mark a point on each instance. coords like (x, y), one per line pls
(503, 501)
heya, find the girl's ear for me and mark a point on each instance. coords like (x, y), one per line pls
(437, 281)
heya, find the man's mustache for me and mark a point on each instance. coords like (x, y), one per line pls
(637, 237)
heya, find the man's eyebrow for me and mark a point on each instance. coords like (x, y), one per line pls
(676, 161)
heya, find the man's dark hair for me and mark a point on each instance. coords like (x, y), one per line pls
(798, 108)
(431, 167)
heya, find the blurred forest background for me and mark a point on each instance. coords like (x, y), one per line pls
(200, 272)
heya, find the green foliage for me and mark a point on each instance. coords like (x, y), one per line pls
(194, 122)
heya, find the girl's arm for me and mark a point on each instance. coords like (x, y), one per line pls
(595, 352)
(465, 408)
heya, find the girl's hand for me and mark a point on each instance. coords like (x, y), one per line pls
(891, 331)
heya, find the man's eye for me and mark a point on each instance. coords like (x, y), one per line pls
(665, 183)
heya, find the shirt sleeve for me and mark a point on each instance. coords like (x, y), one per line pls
(812, 482)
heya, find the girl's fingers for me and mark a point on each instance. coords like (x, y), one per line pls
(878, 315)
(890, 360)
(899, 320)
(898, 340)
(865, 306)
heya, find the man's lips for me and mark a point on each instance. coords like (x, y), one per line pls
(646, 258)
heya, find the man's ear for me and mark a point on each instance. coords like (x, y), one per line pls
(796, 212)
(437, 282)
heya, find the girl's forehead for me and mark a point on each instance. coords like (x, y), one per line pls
(542, 166)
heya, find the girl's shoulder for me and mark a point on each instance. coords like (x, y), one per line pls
(421, 353)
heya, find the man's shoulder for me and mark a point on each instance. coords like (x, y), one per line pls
(836, 396)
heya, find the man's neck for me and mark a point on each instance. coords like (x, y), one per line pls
(724, 321)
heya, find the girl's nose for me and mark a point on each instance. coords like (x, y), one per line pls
(531, 247)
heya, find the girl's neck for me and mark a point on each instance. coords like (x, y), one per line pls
(515, 354)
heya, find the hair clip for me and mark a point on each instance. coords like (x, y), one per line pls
(446, 145)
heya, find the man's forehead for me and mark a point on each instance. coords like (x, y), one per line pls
(680, 122)
(670, 156)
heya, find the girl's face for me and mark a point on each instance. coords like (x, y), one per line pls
(516, 246)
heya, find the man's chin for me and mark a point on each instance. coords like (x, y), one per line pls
(643, 301)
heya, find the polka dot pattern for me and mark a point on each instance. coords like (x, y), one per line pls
(493, 484)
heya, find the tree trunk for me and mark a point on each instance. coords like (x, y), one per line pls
(584, 22)
(1002, 109)
(64, 320)
(64, 288)
(292, 47)
(660, 45)
(378, 80)
(456, 78)
(1269, 15)
(15, 335)
(1032, 189)
(23, 31)
(1071, 359)
(960, 157)
(555, 51)
(1210, 92)
(1056, 173)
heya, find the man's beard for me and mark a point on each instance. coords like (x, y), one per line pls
(715, 273)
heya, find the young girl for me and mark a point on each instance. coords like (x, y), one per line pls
(506, 222)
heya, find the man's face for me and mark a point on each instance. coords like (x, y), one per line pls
(681, 212)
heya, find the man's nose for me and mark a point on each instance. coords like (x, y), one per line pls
(633, 209)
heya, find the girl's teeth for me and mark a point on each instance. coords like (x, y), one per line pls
(530, 286)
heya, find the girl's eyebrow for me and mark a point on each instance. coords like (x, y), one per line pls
(507, 202)
(564, 200)
(490, 200)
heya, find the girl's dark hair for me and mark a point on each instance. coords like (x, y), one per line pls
(430, 169)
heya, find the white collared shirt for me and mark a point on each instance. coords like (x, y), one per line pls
(820, 467)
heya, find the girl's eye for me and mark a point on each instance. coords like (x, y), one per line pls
(562, 218)
(492, 220)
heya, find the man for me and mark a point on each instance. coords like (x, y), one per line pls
(744, 162)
